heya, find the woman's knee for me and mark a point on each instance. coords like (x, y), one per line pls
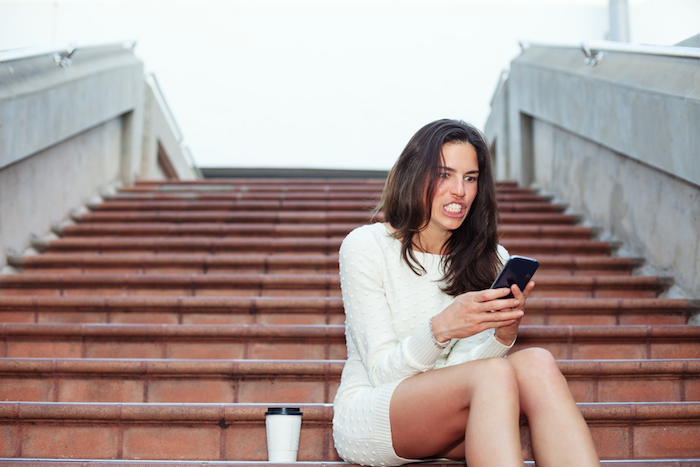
(536, 366)
(497, 374)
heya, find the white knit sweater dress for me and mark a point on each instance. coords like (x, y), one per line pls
(387, 308)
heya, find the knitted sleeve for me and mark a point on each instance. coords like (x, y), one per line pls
(369, 323)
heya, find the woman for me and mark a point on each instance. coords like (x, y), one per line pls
(421, 380)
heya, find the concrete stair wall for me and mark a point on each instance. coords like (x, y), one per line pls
(161, 324)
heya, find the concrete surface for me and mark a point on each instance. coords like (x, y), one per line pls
(67, 134)
(40, 190)
(42, 104)
(619, 142)
(656, 215)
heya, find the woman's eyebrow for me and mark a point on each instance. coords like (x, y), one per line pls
(450, 169)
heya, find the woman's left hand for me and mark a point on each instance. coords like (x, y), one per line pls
(506, 334)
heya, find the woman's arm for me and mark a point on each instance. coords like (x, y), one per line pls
(369, 322)
(496, 342)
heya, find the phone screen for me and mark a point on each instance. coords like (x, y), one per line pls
(518, 270)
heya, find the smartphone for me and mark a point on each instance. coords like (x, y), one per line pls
(518, 270)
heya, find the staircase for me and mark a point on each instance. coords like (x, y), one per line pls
(161, 324)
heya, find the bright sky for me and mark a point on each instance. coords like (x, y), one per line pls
(327, 83)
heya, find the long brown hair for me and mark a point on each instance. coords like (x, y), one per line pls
(470, 259)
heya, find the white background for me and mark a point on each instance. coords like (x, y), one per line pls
(327, 83)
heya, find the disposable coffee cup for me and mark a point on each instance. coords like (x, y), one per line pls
(283, 425)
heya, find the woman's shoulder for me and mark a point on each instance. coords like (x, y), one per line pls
(377, 231)
(369, 237)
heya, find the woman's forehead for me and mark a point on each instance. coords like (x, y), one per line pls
(458, 152)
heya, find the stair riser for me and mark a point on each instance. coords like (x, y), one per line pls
(97, 268)
(335, 234)
(58, 246)
(246, 440)
(315, 350)
(283, 205)
(532, 318)
(336, 195)
(173, 290)
(290, 217)
(159, 440)
(127, 463)
(289, 390)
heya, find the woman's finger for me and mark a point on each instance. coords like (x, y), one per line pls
(528, 288)
(502, 316)
(489, 294)
(501, 324)
(519, 295)
(501, 304)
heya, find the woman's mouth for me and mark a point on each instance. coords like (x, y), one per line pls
(455, 209)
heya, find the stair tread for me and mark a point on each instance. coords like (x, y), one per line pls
(296, 195)
(337, 331)
(289, 217)
(156, 463)
(291, 280)
(287, 244)
(328, 304)
(289, 230)
(304, 368)
(633, 412)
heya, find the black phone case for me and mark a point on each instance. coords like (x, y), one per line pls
(518, 270)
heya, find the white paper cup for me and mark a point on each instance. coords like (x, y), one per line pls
(283, 426)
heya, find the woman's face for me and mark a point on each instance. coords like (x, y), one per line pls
(456, 188)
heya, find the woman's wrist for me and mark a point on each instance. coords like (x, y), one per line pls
(438, 337)
(507, 341)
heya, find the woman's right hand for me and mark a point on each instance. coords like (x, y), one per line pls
(471, 314)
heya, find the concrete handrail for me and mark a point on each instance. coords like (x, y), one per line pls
(667, 50)
(592, 49)
(60, 53)
(164, 105)
(170, 119)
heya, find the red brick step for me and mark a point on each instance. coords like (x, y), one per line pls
(237, 431)
(260, 263)
(308, 310)
(294, 205)
(296, 195)
(291, 217)
(274, 284)
(292, 381)
(286, 245)
(313, 342)
(273, 230)
(126, 463)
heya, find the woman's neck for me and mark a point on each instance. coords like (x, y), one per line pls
(424, 242)
(429, 243)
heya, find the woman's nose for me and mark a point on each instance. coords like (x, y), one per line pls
(458, 187)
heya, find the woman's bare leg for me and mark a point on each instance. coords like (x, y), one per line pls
(468, 411)
(558, 431)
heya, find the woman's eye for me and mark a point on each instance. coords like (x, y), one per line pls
(469, 178)
(443, 176)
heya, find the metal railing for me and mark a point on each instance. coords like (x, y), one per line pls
(172, 123)
(595, 50)
(61, 54)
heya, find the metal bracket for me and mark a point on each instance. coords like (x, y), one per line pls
(592, 56)
(63, 59)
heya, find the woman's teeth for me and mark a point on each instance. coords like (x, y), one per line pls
(454, 207)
